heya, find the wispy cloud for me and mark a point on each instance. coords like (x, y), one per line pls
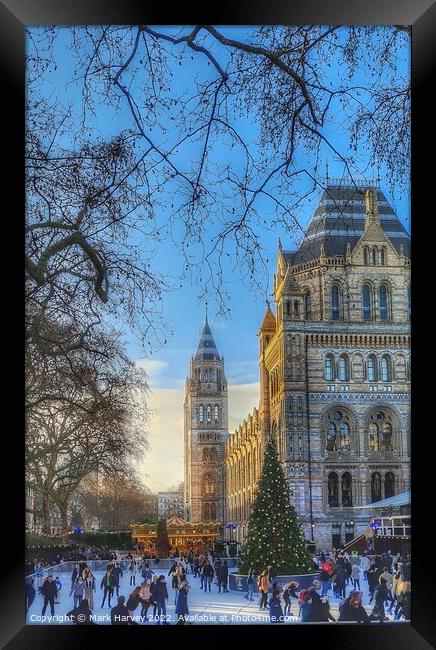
(152, 366)
(163, 465)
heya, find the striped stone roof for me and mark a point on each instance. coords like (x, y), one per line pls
(340, 219)
(207, 349)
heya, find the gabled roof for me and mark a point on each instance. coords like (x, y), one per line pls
(340, 219)
(207, 350)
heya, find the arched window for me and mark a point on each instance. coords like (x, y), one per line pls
(212, 454)
(296, 309)
(374, 257)
(333, 492)
(335, 302)
(389, 485)
(205, 455)
(331, 437)
(366, 301)
(209, 486)
(387, 437)
(288, 308)
(382, 257)
(209, 413)
(347, 493)
(329, 373)
(216, 413)
(384, 306)
(344, 436)
(374, 443)
(372, 368)
(385, 369)
(337, 431)
(201, 413)
(366, 256)
(307, 306)
(343, 374)
(375, 487)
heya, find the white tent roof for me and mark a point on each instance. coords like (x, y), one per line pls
(402, 499)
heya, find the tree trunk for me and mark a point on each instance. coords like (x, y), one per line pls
(63, 507)
(46, 528)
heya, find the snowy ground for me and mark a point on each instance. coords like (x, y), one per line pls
(204, 608)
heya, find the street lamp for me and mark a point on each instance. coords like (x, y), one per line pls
(231, 527)
(78, 531)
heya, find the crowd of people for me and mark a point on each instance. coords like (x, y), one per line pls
(387, 582)
(82, 554)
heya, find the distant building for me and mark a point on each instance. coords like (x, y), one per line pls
(34, 514)
(170, 504)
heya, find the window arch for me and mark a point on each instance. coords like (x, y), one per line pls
(335, 296)
(296, 309)
(338, 431)
(389, 485)
(209, 484)
(333, 491)
(347, 490)
(385, 368)
(374, 257)
(307, 305)
(201, 413)
(343, 368)
(209, 413)
(380, 431)
(384, 302)
(366, 301)
(366, 256)
(372, 368)
(288, 308)
(376, 494)
(216, 413)
(329, 371)
(205, 454)
(383, 257)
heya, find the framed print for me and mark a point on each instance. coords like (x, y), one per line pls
(222, 402)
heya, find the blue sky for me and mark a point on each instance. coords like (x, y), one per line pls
(236, 335)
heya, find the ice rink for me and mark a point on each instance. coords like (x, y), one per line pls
(204, 608)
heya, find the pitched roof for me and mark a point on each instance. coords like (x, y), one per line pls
(207, 350)
(340, 219)
(269, 321)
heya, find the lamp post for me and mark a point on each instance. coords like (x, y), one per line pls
(78, 531)
(231, 527)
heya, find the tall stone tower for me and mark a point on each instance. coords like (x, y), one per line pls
(206, 432)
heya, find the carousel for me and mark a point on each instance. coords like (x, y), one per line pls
(184, 535)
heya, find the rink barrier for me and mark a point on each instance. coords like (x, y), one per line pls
(238, 582)
(64, 568)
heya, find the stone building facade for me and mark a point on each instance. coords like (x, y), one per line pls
(334, 370)
(205, 433)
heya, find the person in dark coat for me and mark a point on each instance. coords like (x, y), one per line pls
(75, 574)
(207, 573)
(325, 611)
(107, 584)
(120, 613)
(160, 595)
(223, 575)
(29, 593)
(380, 595)
(134, 600)
(352, 609)
(372, 576)
(272, 575)
(49, 591)
(275, 608)
(341, 577)
(81, 615)
(348, 570)
(182, 603)
(117, 573)
(316, 609)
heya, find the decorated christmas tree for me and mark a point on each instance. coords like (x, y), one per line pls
(162, 542)
(274, 534)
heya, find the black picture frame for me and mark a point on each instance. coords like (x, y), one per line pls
(421, 16)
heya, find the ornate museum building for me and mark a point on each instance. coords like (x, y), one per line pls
(334, 378)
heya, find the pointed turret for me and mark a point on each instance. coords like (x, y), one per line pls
(207, 349)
